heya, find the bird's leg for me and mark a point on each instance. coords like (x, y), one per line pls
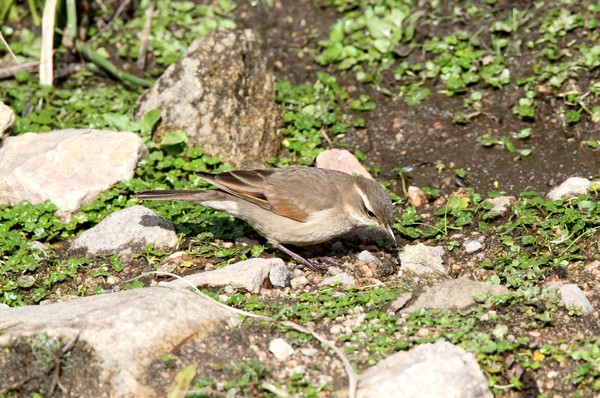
(297, 257)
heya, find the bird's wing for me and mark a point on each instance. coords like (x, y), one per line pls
(245, 184)
(291, 193)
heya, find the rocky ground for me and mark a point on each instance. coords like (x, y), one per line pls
(493, 289)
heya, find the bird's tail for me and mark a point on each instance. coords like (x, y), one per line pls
(187, 195)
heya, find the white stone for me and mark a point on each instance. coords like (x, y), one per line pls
(280, 276)
(69, 167)
(571, 295)
(502, 204)
(573, 186)
(249, 275)
(472, 246)
(281, 349)
(439, 370)
(299, 282)
(452, 293)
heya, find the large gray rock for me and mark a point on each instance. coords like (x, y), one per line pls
(69, 167)
(124, 331)
(222, 95)
(430, 370)
(125, 232)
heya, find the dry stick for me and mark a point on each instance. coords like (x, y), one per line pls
(10, 71)
(352, 377)
(105, 64)
(46, 64)
(68, 70)
(118, 13)
(145, 39)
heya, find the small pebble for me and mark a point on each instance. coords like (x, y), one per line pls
(472, 246)
(416, 197)
(281, 349)
(309, 352)
(337, 329)
(298, 282)
(367, 257)
(279, 276)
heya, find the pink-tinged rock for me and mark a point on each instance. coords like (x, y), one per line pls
(341, 160)
(416, 197)
(69, 167)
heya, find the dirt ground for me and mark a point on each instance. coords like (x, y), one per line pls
(420, 137)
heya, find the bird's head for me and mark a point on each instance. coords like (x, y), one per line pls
(370, 206)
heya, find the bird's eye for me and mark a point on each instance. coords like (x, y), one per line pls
(370, 214)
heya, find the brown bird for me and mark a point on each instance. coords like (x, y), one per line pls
(298, 206)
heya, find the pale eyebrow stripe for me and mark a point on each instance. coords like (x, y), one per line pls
(364, 197)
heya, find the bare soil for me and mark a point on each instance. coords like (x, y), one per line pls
(398, 135)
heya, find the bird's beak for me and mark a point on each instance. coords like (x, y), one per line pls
(388, 228)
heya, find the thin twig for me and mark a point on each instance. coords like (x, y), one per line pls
(118, 13)
(68, 70)
(47, 53)
(12, 54)
(10, 71)
(145, 39)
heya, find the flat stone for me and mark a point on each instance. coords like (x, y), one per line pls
(471, 246)
(281, 349)
(453, 293)
(249, 275)
(125, 232)
(573, 186)
(68, 167)
(343, 278)
(430, 370)
(422, 260)
(399, 302)
(126, 331)
(571, 295)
